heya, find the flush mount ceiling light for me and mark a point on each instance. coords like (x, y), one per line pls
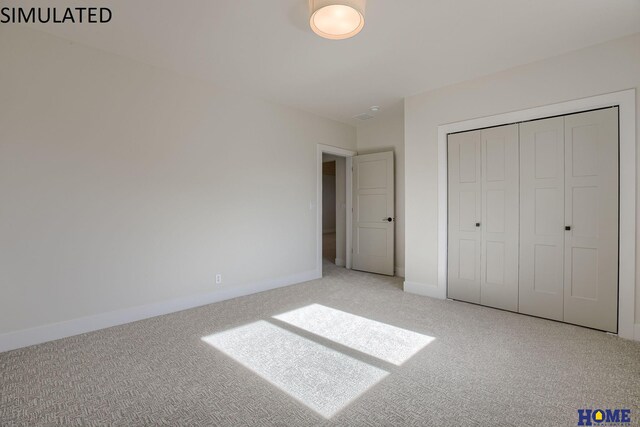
(337, 19)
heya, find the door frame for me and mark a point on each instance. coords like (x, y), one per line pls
(348, 155)
(626, 101)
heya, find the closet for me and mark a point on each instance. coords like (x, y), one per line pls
(533, 218)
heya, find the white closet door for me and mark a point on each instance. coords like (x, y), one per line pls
(542, 173)
(591, 213)
(499, 225)
(464, 216)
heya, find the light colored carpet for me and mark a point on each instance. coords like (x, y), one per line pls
(281, 358)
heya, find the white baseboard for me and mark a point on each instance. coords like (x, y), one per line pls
(636, 334)
(400, 272)
(424, 290)
(55, 331)
(340, 262)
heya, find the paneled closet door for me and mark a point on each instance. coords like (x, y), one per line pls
(542, 171)
(500, 217)
(591, 213)
(464, 216)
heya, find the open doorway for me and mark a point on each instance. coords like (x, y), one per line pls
(334, 201)
(333, 204)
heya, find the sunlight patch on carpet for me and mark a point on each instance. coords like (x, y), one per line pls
(386, 342)
(322, 379)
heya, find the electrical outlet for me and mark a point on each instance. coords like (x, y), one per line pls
(218, 279)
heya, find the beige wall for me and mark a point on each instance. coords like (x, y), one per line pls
(123, 185)
(328, 203)
(600, 69)
(387, 134)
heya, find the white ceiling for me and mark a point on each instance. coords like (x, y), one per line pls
(266, 48)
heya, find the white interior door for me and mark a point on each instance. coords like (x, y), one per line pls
(500, 218)
(591, 219)
(463, 279)
(542, 218)
(373, 213)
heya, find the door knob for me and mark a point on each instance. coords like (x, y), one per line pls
(477, 224)
(568, 228)
(388, 219)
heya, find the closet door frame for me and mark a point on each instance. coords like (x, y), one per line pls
(626, 101)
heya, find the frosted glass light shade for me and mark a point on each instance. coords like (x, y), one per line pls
(337, 19)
